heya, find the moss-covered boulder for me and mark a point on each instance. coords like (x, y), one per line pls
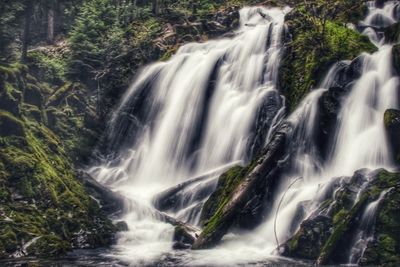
(310, 51)
(308, 241)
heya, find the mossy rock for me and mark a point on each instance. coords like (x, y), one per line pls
(327, 234)
(8, 240)
(48, 246)
(310, 53)
(10, 98)
(10, 125)
(391, 120)
(396, 58)
(32, 112)
(33, 95)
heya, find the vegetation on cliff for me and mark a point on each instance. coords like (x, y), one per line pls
(44, 210)
(316, 42)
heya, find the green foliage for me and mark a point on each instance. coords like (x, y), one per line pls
(51, 68)
(10, 11)
(94, 39)
(312, 51)
(40, 195)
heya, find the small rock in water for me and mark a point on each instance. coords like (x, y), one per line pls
(121, 226)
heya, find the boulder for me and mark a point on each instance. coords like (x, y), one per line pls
(121, 226)
(184, 237)
(10, 125)
(330, 234)
(309, 240)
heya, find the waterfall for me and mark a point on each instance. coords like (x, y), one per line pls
(214, 105)
(186, 121)
(359, 142)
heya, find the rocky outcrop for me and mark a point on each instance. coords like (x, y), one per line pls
(337, 230)
(392, 124)
(309, 55)
(44, 209)
(392, 33)
(331, 101)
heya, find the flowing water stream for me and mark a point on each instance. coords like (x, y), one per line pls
(214, 105)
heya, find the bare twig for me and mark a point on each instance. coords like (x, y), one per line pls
(279, 205)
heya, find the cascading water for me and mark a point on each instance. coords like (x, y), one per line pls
(210, 106)
(359, 122)
(364, 234)
(188, 119)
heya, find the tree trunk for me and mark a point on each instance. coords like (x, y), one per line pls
(50, 22)
(155, 7)
(27, 28)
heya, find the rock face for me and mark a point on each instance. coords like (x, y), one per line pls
(336, 231)
(331, 101)
(308, 55)
(392, 33)
(392, 125)
(249, 196)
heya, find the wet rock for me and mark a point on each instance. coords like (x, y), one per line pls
(184, 237)
(330, 233)
(259, 183)
(173, 197)
(396, 58)
(392, 125)
(331, 102)
(309, 240)
(109, 201)
(265, 118)
(392, 33)
(121, 226)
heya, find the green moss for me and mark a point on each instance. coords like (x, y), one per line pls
(39, 192)
(340, 230)
(227, 184)
(8, 239)
(310, 54)
(340, 216)
(51, 66)
(47, 246)
(59, 94)
(10, 125)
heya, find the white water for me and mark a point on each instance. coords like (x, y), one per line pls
(365, 234)
(246, 77)
(194, 127)
(360, 140)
